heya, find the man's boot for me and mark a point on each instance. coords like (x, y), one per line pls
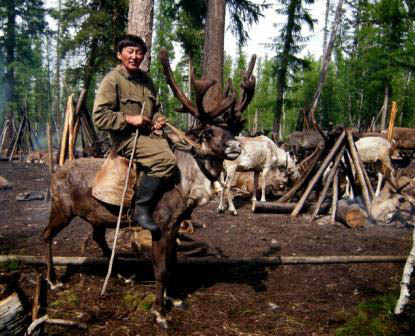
(144, 202)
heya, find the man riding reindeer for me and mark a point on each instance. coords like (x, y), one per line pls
(127, 100)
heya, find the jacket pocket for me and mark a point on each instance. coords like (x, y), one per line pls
(131, 105)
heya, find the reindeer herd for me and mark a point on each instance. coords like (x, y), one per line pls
(223, 155)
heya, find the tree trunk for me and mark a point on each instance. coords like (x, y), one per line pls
(13, 319)
(10, 46)
(89, 69)
(283, 68)
(326, 25)
(58, 111)
(327, 57)
(213, 49)
(140, 23)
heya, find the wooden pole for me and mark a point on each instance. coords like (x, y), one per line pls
(18, 137)
(328, 183)
(320, 171)
(64, 138)
(71, 126)
(39, 301)
(50, 147)
(292, 260)
(77, 119)
(355, 158)
(389, 136)
(3, 134)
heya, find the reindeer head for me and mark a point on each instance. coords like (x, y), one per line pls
(217, 124)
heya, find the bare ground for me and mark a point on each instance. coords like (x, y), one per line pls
(245, 299)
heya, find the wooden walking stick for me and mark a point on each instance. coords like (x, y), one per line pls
(117, 229)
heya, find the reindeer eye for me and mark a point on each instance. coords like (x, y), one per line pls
(208, 133)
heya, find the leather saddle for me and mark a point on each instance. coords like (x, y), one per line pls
(109, 182)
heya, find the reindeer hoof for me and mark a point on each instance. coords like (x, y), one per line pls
(160, 320)
(54, 285)
(177, 303)
(221, 210)
(234, 213)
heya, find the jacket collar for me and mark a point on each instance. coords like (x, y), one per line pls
(137, 77)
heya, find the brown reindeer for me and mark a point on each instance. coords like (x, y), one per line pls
(71, 184)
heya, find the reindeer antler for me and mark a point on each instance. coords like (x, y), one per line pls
(225, 103)
(247, 86)
(200, 86)
(247, 93)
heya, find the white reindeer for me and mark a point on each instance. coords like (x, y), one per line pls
(260, 155)
(372, 150)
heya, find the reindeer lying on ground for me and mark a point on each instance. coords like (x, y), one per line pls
(260, 155)
(71, 184)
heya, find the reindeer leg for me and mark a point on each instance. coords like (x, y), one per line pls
(264, 184)
(58, 219)
(380, 178)
(98, 235)
(221, 206)
(228, 184)
(160, 272)
(171, 294)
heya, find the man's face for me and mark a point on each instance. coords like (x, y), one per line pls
(131, 58)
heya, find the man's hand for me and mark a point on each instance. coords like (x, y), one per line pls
(137, 120)
(159, 123)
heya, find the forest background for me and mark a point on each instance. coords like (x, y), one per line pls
(372, 61)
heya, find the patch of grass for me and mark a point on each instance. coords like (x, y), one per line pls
(372, 318)
(136, 301)
(10, 266)
(67, 298)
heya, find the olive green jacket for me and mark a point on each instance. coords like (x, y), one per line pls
(120, 94)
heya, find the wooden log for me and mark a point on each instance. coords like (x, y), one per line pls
(356, 162)
(13, 318)
(276, 207)
(335, 197)
(292, 260)
(328, 183)
(337, 146)
(351, 215)
(285, 208)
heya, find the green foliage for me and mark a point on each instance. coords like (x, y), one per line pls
(10, 266)
(138, 302)
(372, 318)
(67, 298)
(90, 31)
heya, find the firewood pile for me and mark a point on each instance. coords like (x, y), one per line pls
(23, 140)
(78, 121)
(340, 154)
